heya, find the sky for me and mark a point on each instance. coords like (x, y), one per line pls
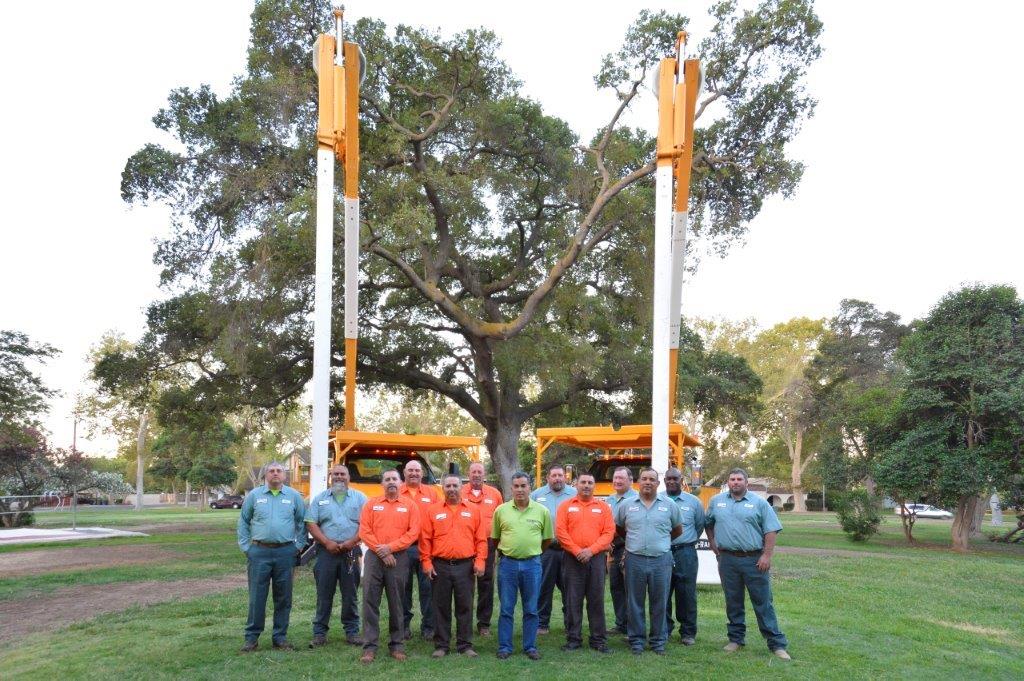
(911, 189)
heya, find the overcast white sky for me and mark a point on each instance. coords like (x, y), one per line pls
(913, 159)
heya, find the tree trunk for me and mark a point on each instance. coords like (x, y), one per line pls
(502, 442)
(869, 485)
(203, 502)
(140, 446)
(963, 521)
(979, 516)
(188, 493)
(795, 446)
(907, 521)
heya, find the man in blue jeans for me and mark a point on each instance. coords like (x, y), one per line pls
(271, 532)
(649, 523)
(521, 529)
(741, 529)
(684, 559)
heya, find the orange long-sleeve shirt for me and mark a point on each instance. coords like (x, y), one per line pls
(486, 500)
(584, 525)
(453, 532)
(422, 496)
(395, 522)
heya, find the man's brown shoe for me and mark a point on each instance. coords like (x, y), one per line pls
(543, 631)
(367, 657)
(483, 631)
(469, 652)
(399, 655)
(353, 640)
(249, 647)
(283, 645)
(438, 653)
(318, 641)
(781, 654)
(732, 647)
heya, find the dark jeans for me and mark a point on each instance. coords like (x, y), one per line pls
(378, 579)
(517, 577)
(550, 577)
(584, 581)
(684, 589)
(331, 573)
(617, 585)
(269, 567)
(485, 591)
(647, 579)
(416, 574)
(453, 579)
(738, 573)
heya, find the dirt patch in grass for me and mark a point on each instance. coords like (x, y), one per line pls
(43, 561)
(835, 553)
(1000, 635)
(62, 607)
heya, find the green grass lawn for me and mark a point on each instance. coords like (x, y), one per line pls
(895, 612)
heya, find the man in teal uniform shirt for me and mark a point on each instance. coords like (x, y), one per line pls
(333, 520)
(741, 529)
(551, 496)
(271, 532)
(622, 484)
(684, 559)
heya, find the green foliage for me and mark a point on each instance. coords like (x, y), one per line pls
(22, 393)
(859, 514)
(25, 468)
(500, 251)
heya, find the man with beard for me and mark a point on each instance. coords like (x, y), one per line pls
(622, 484)
(551, 496)
(486, 499)
(333, 520)
(741, 529)
(453, 549)
(388, 525)
(422, 497)
(271, 532)
(684, 559)
(584, 527)
(648, 523)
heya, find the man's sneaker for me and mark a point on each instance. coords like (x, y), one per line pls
(438, 653)
(318, 641)
(353, 640)
(283, 645)
(533, 654)
(399, 655)
(367, 657)
(732, 647)
(571, 646)
(469, 652)
(543, 631)
(781, 654)
(249, 647)
(688, 640)
(483, 630)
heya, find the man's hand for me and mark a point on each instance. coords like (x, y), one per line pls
(584, 556)
(382, 551)
(431, 573)
(389, 561)
(479, 571)
(349, 545)
(764, 563)
(333, 547)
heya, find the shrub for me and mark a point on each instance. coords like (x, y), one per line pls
(859, 514)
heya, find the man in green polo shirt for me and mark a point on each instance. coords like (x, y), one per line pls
(741, 529)
(271, 532)
(522, 529)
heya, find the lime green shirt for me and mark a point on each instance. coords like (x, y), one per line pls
(521, 532)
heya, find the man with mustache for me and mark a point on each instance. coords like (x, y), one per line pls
(422, 497)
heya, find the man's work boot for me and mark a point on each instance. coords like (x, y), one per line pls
(543, 631)
(249, 647)
(732, 647)
(399, 655)
(283, 645)
(469, 652)
(781, 654)
(483, 630)
(367, 657)
(688, 640)
(318, 641)
(438, 653)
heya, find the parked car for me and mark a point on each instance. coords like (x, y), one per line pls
(228, 501)
(924, 511)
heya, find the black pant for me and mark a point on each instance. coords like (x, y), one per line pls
(584, 581)
(617, 585)
(550, 577)
(331, 572)
(485, 591)
(453, 579)
(417, 575)
(378, 579)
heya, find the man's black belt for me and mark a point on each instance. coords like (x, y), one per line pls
(741, 554)
(505, 555)
(451, 561)
(685, 545)
(271, 544)
(554, 545)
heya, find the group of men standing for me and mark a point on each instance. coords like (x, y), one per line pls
(557, 537)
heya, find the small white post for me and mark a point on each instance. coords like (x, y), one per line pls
(322, 319)
(662, 301)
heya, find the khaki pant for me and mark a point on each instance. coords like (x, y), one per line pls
(378, 580)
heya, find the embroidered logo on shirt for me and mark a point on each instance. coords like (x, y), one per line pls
(286, 501)
(721, 505)
(573, 509)
(378, 508)
(440, 516)
(325, 502)
(542, 498)
(466, 514)
(662, 508)
(261, 501)
(425, 500)
(488, 501)
(595, 510)
(633, 508)
(685, 508)
(401, 509)
(748, 506)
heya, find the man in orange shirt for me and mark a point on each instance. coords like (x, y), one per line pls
(388, 525)
(422, 496)
(453, 548)
(585, 529)
(486, 499)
